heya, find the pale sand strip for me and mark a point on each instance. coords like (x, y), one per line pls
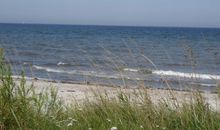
(69, 93)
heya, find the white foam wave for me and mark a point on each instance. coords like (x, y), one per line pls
(25, 63)
(130, 69)
(47, 69)
(86, 73)
(205, 84)
(186, 75)
(61, 63)
(120, 76)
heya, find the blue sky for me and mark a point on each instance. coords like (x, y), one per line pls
(190, 13)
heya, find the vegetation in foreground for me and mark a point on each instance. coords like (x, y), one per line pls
(22, 108)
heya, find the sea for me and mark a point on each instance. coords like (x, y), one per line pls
(155, 57)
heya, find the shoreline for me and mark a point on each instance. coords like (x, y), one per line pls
(16, 77)
(71, 93)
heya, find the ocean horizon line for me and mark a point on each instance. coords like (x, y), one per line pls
(106, 25)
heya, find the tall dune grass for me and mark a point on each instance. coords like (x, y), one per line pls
(22, 108)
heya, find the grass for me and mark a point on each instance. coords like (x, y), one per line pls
(22, 108)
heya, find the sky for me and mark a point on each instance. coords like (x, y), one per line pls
(180, 13)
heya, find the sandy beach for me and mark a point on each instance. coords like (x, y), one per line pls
(73, 92)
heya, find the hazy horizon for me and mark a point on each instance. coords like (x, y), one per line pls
(145, 26)
(151, 13)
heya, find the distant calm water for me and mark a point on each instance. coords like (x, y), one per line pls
(115, 55)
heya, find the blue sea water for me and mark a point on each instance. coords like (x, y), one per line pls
(125, 56)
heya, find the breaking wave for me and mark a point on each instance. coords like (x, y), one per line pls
(130, 69)
(62, 64)
(142, 71)
(86, 73)
(186, 75)
(175, 73)
(124, 76)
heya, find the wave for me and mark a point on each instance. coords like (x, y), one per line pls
(62, 64)
(186, 75)
(124, 76)
(25, 63)
(174, 73)
(117, 76)
(143, 71)
(130, 70)
(87, 73)
(47, 69)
